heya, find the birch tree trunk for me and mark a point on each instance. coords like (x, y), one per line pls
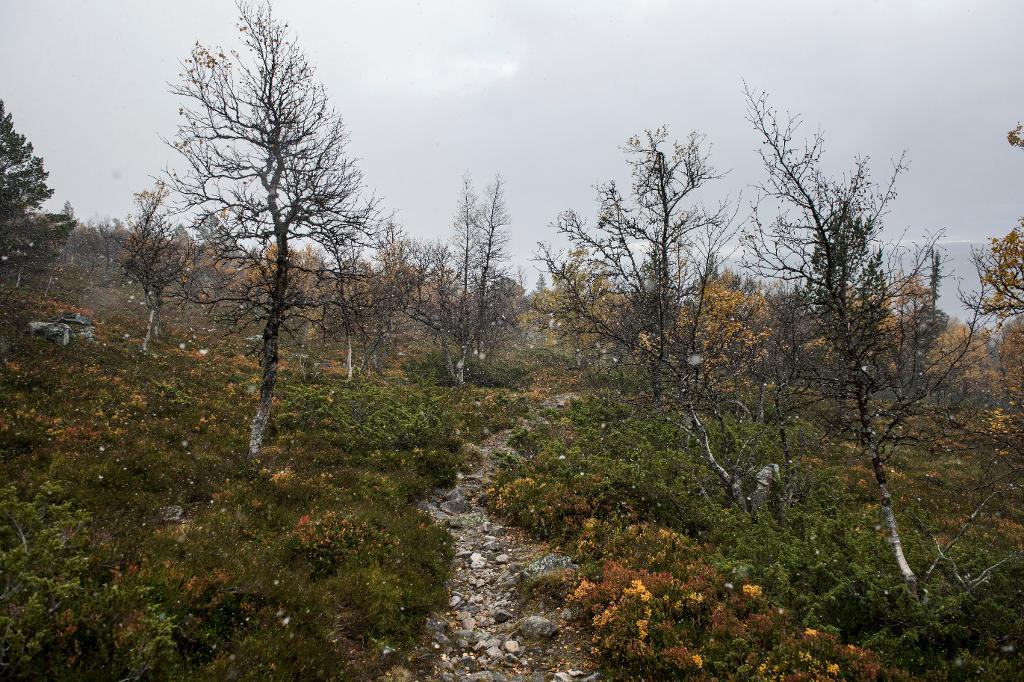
(153, 328)
(269, 381)
(460, 366)
(348, 356)
(885, 498)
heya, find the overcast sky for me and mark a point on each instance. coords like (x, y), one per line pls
(546, 92)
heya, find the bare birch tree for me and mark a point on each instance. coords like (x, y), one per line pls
(869, 299)
(155, 253)
(644, 279)
(460, 292)
(265, 154)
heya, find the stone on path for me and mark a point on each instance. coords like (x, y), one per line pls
(537, 627)
(476, 637)
(547, 564)
(455, 502)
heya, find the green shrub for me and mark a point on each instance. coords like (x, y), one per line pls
(56, 619)
(505, 371)
(829, 563)
(617, 485)
(362, 416)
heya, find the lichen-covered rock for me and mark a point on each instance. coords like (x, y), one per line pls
(547, 564)
(54, 332)
(171, 514)
(537, 627)
(80, 325)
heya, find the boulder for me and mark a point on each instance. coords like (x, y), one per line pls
(455, 502)
(432, 509)
(486, 676)
(547, 564)
(766, 477)
(54, 332)
(74, 319)
(537, 627)
(502, 616)
(171, 514)
(80, 325)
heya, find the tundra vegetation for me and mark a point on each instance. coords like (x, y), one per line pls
(796, 468)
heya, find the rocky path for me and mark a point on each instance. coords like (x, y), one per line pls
(488, 634)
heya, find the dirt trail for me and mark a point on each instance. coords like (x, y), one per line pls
(487, 633)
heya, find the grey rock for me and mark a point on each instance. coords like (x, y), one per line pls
(495, 652)
(537, 627)
(469, 520)
(54, 332)
(511, 646)
(73, 318)
(547, 564)
(486, 676)
(79, 324)
(171, 514)
(477, 561)
(459, 506)
(502, 616)
(432, 509)
(766, 477)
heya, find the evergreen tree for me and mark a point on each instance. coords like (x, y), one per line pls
(29, 240)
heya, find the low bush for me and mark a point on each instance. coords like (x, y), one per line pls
(619, 489)
(509, 372)
(58, 618)
(240, 586)
(655, 625)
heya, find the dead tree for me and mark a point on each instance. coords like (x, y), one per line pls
(155, 253)
(265, 155)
